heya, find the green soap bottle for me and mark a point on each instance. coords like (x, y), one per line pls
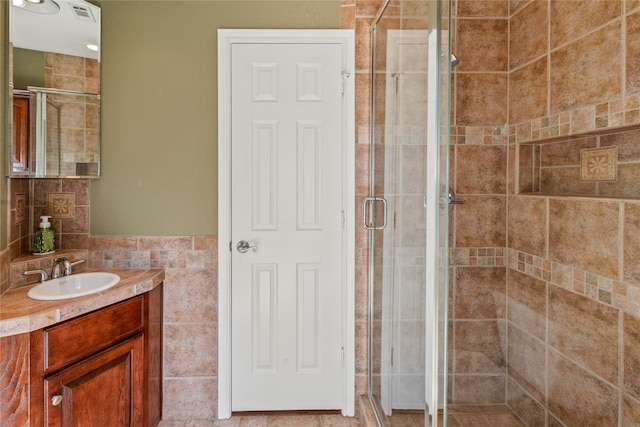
(43, 239)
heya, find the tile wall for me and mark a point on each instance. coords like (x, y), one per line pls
(65, 200)
(79, 116)
(552, 278)
(358, 15)
(478, 229)
(526, 275)
(190, 313)
(190, 262)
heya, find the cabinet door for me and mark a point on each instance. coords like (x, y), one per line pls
(103, 390)
(20, 151)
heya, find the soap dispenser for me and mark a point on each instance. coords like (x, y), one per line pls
(43, 238)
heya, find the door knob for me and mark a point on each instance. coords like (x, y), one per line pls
(243, 247)
(56, 400)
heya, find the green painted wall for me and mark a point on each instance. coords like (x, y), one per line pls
(28, 68)
(159, 108)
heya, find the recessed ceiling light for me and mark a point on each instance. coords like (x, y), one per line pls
(47, 7)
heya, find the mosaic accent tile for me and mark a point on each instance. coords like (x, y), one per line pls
(61, 205)
(477, 256)
(21, 208)
(479, 135)
(606, 290)
(614, 113)
(599, 164)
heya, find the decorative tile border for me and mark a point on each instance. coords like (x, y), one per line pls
(615, 293)
(168, 252)
(476, 256)
(612, 114)
(480, 135)
(401, 135)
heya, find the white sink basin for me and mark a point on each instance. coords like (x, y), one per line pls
(75, 285)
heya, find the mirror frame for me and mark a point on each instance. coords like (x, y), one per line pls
(94, 156)
(5, 125)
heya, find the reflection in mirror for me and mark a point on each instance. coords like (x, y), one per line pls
(64, 133)
(55, 74)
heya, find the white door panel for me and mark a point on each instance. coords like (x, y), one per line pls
(286, 187)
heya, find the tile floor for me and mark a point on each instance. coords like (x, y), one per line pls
(482, 416)
(462, 416)
(405, 419)
(459, 416)
(287, 420)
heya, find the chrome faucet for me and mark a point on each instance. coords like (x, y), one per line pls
(62, 267)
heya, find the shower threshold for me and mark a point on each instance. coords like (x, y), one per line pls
(481, 416)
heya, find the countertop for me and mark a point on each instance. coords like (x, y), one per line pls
(20, 314)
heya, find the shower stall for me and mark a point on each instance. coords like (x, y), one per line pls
(407, 211)
(521, 321)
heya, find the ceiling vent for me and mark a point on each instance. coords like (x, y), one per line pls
(82, 12)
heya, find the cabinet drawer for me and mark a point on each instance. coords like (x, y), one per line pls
(78, 338)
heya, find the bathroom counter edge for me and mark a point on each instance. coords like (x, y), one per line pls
(21, 314)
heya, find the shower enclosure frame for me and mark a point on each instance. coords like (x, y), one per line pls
(437, 204)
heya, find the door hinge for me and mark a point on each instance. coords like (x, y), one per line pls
(342, 356)
(345, 76)
(230, 245)
(391, 356)
(342, 220)
(396, 77)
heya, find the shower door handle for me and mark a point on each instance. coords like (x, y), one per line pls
(452, 200)
(368, 206)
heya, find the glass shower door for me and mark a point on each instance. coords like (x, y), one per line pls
(407, 217)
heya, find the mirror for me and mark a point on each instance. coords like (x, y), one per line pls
(55, 76)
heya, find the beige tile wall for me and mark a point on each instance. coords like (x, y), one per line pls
(572, 299)
(190, 262)
(190, 313)
(559, 167)
(359, 15)
(478, 158)
(68, 208)
(79, 115)
(544, 282)
(20, 226)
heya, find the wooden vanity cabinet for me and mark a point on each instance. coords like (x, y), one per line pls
(100, 369)
(104, 390)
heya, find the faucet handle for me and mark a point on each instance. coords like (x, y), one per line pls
(80, 261)
(44, 276)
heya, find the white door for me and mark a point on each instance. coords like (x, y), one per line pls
(287, 205)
